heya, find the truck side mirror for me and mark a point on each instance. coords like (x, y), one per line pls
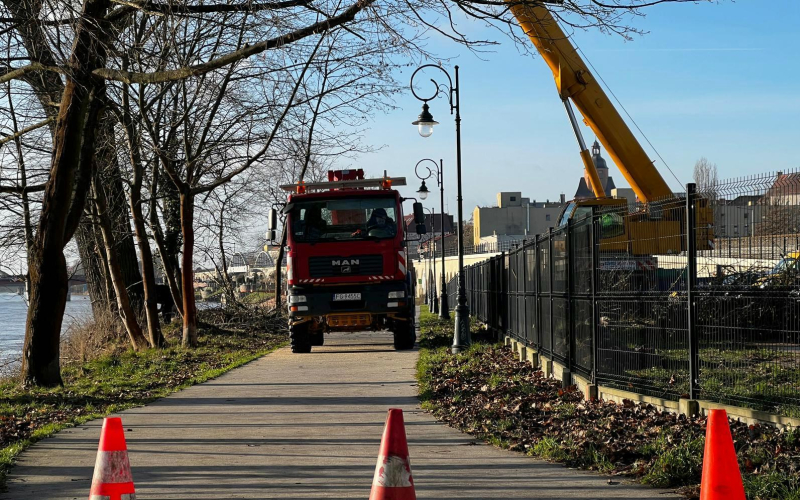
(421, 229)
(419, 214)
(272, 220)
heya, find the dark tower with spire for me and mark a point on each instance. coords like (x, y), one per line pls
(584, 191)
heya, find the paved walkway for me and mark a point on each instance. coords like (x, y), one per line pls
(299, 426)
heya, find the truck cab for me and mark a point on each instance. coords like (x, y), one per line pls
(347, 264)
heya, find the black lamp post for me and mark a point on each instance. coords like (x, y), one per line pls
(425, 122)
(444, 309)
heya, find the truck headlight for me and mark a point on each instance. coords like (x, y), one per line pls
(295, 299)
(397, 295)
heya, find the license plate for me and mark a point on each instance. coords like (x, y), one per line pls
(346, 296)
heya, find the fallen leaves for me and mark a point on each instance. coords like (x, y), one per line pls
(490, 394)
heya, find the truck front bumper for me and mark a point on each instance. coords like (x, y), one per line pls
(319, 301)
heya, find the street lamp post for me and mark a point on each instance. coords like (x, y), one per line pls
(444, 309)
(425, 122)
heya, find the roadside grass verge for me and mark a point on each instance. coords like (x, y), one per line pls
(488, 393)
(435, 332)
(121, 380)
(257, 297)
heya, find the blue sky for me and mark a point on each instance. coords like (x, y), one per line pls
(715, 80)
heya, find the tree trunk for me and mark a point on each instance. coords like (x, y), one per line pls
(187, 275)
(110, 176)
(169, 258)
(172, 227)
(110, 301)
(93, 267)
(126, 312)
(172, 275)
(47, 266)
(64, 198)
(278, 269)
(228, 286)
(48, 300)
(148, 272)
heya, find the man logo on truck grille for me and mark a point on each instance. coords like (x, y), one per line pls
(345, 262)
(345, 269)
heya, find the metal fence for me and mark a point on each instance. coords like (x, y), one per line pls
(451, 249)
(696, 296)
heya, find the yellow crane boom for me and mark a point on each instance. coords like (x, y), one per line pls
(575, 82)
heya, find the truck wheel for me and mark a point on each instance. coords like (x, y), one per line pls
(299, 336)
(317, 338)
(405, 336)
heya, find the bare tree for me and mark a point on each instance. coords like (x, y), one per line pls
(705, 175)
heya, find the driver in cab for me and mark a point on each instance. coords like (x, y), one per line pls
(379, 224)
(312, 226)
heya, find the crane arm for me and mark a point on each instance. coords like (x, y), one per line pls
(575, 82)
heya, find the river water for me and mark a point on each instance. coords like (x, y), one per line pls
(13, 313)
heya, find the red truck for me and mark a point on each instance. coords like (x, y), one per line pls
(347, 263)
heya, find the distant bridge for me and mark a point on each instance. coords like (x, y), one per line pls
(16, 284)
(262, 263)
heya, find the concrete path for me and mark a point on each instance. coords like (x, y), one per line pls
(300, 426)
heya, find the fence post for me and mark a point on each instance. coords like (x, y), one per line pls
(551, 262)
(536, 296)
(521, 315)
(491, 286)
(503, 302)
(496, 282)
(595, 255)
(568, 288)
(691, 287)
(525, 329)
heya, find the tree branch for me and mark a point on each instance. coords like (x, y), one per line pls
(235, 56)
(254, 158)
(16, 73)
(43, 22)
(20, 189)
(25, 130)
(164, 8)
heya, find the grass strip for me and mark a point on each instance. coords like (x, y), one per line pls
(257, 297)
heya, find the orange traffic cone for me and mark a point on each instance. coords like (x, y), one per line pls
(112, 471)
(393, 479)
(721, 477)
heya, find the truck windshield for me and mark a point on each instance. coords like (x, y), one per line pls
(343, 220)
